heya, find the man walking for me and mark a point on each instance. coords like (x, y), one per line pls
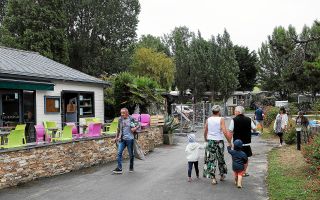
(241, 127)
(258, 116)
(125, 138)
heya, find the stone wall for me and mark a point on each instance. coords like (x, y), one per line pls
(28, 163)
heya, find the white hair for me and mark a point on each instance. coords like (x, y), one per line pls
(239, 109)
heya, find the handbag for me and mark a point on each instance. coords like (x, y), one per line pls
(138, 153)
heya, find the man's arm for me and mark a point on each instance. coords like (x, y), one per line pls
(205, 131)
(253, 126)
(224, 130)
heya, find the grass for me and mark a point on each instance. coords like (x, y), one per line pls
(289, 177)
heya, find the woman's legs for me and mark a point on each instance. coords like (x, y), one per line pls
(220, 157)
(190, 169)
(214, 153)
(280, 137)
(196, 168)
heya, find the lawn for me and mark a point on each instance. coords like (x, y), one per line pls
(289, 177)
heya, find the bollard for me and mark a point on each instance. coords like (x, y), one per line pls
(298, 139)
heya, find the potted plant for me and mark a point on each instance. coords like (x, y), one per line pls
(169, 126)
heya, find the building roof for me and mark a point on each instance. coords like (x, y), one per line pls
(32, 65)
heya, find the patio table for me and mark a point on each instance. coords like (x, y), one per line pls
(3, 135)
(7, 128)
(54, 131)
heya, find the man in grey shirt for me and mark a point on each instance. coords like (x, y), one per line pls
(125, 138)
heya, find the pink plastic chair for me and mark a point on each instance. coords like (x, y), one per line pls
(74, 129)
(94, 130)
(40, 133)
(145, 120)
(136, 117)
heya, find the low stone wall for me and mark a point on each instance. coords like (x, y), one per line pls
(29, 163)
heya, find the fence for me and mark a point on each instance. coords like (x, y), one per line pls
(192, 116)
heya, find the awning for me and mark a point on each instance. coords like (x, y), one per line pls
(25, 85)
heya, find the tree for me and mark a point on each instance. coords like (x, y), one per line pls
(247, 67)
(275, 59)
(155, 65)
(129, 91)
(199, 52)
(152, 42)
(101, 33)
(179, 41)
(3, 4)
(228, 68)
(37, 26)
(93, 36)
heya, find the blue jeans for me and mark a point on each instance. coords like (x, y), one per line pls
(122, 145)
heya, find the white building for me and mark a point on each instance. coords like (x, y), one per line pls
(34, 88)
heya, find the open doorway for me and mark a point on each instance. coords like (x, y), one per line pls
(70, 107)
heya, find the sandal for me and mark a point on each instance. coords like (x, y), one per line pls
(214, 181)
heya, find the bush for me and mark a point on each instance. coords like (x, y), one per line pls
(270, 115)
(293, 108)
(311, 152)
(290, 135)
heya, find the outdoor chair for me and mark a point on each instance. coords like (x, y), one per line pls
(66, 134)
(145, 120)
(136, 117)
(96, 120)
(112, 128)
(15, 139)
(94, 130)
(75, 132)
(22, 127)
(40, 133)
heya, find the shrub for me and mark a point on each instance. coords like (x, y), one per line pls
(270, 115)
(290, 135)
(293, 108)
(311, 152)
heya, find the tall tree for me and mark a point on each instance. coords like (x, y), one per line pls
(37, 26)
(101, 33)
(247, 62)
(155, 65)
(274, 62)
(199, 65)
(228, 68)
(179, 41)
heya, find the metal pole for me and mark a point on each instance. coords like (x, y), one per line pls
(299, 140)
(204, 113)
(193, 116)
(181, 118)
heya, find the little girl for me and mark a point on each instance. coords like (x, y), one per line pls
(192, 151)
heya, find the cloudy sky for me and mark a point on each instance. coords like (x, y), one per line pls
(249, 22)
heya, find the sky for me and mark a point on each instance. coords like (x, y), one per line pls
(249, 22)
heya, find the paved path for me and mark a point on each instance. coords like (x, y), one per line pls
(163, 175)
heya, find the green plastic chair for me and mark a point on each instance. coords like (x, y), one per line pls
(96, 120)
(22, 127)
(15, 139)
(113, 127)
(66, 134)
(89, 120)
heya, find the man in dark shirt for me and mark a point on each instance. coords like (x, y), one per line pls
(241, 127)
(258, 115)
